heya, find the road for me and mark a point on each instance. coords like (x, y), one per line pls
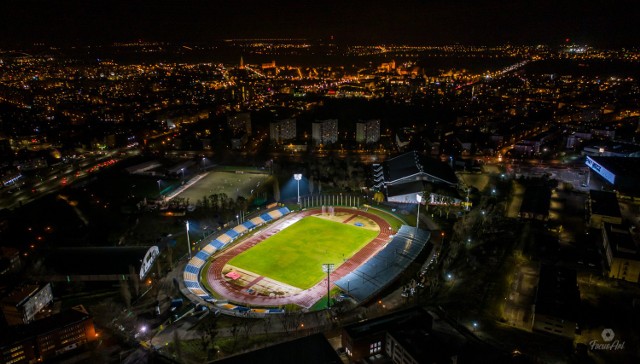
(60, 176)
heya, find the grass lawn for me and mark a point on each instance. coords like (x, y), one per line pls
(296, 254)
(231, 184)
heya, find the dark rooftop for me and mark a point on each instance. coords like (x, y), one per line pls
(416, 317)
(313, 349)
(558, 293)
(536, 199)
(43, 326)
(95, 261)
(622, 243)
(412, 187)
(403, 166)
(412, 164)
(604, 203)
(625, 169)
(615, 147)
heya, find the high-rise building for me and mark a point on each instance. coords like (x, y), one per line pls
(22, 305)
(324, 131)
(240, 123)
(45, 339)
(368, 131)
(283, 130)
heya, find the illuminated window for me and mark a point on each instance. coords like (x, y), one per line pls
(375, 348)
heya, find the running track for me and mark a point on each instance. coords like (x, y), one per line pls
(307, 297)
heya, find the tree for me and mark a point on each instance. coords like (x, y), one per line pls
(125, 293)
(235, 332)
(266, 325)
(135, 279)
(208, 334)
(311, 185)
(169, 255)
(177, 343)
(276, 190)
(242, 203)
(246, 327)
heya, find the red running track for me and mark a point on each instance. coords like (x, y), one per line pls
(307, 297)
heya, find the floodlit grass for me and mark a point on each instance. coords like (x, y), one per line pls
(295, 255)
(394, 221)
(231, 184)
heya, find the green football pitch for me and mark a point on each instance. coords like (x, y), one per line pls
(295, 255)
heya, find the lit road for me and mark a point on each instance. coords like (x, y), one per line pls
(60, 176)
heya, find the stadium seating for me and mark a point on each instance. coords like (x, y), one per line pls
(192, 269)
(382, 269)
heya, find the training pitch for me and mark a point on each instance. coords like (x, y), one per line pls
(230, 183)
(295, 255)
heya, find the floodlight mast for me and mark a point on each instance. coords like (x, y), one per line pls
(419, 199)
(188, 242)
(298, 177)
(328, 267)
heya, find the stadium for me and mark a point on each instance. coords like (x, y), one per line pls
(275, 260)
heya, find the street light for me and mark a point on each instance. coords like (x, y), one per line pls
(328, 267)
(298, 177)
(188, 241)
(238, 219)
(159, 190)
(419, 198)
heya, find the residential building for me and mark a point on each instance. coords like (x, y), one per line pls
(557, 302)
(603, 207)
(45, 339)
(368, 131)
(325, 131)
(22, 304)
(621, 253)
(283, 130)
(369, 338)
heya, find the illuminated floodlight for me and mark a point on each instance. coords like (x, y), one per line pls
(419, 199)
(298, 177)
(188, 241)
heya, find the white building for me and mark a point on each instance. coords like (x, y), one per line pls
(283, 130)
(325, 131)
(368, 131)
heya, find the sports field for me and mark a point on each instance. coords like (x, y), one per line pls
(295, 255)
(230, 183)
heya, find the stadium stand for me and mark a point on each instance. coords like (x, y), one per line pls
(192, 269)
(402, 177)
(383, 268)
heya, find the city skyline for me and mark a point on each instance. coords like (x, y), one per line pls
(411, 22)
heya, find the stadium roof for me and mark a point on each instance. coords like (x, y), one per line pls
(403, 166)
(411, 166)
(383, 268)
(412, 187)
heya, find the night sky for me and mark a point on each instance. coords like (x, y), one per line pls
(596, 22)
